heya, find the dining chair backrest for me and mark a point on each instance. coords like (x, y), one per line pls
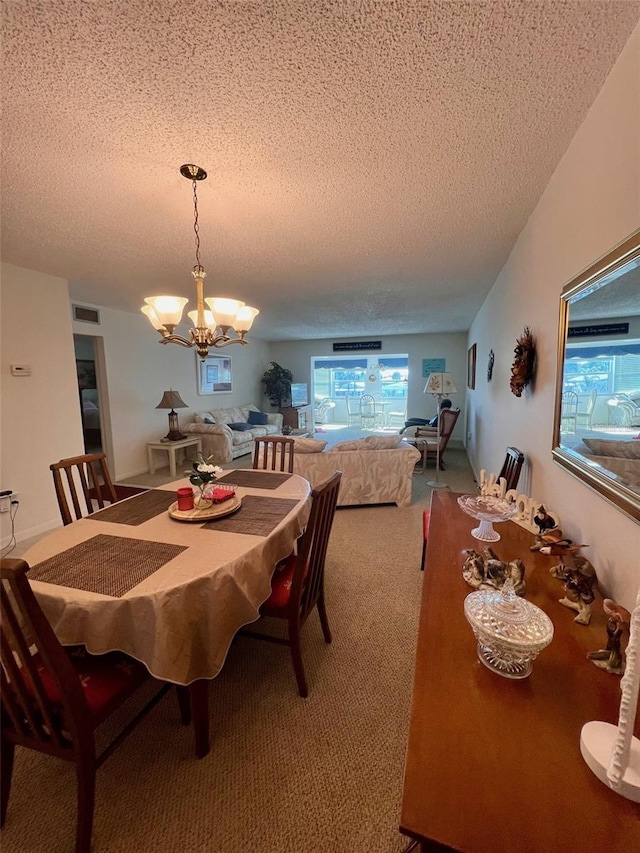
(298, 582)
(54, 699)
(83, 484)
(308, 578)
(511, 467)
(273, 453)
(29, 680)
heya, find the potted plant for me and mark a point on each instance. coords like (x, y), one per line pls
(277, 384)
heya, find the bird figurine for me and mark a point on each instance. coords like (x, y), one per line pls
(543, 520)
(578, 577)
(553, 537)
(611, 658)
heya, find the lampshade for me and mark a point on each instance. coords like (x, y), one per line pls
(166, 310)
(440, 384)
(171, 400)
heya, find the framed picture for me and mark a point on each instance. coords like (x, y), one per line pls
(471, 367)
(86, 371)
(432, 365)
(214, 374)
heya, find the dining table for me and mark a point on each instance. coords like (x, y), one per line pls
(172, 593)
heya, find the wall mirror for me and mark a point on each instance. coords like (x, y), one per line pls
(597, 410)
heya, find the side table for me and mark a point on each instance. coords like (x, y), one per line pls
(421, 445)
(170, 447)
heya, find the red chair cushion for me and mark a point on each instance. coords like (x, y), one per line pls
(281, 584)
(103, 677)
(426, 519)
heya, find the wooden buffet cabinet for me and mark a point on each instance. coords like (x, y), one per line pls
(298, 417)
(493, 765)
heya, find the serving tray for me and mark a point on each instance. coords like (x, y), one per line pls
(214, 511)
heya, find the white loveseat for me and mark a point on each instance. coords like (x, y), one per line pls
(222, 441)
(373, 471)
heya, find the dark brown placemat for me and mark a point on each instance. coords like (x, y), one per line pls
(138, 509)
(257, 516)
(107, 565)
(255, 479)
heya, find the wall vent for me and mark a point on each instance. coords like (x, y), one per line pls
(86, 315)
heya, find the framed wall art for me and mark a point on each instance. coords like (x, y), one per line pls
(432, 365)
(214, 374)
(471, 367)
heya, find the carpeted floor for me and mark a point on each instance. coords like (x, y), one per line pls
(285, 774)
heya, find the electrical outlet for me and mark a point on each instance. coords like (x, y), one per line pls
(7, 499)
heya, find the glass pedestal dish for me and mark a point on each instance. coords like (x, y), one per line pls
(487, 510)
(510, 631)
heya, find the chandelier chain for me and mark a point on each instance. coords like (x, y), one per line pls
(196, 227)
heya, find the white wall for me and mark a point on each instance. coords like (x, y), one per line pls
(296, 355)
(139, 369)
(591, 203)
(39, 414)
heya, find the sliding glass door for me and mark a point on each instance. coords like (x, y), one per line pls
(344, 379)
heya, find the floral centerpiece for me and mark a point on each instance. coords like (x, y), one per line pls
(204, 472)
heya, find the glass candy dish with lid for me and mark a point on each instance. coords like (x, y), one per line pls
(487, 509)
(510, 631)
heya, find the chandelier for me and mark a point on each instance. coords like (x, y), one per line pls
(210, 326)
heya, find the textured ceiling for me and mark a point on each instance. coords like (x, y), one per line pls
(370, 163)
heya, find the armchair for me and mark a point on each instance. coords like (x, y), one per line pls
(429, 446)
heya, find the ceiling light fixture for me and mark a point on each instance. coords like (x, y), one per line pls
(210, 327)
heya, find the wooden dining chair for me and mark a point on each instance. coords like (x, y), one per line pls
(297, 585)
(273, 453)
(511, 467)
(54, 698)
(86, 477)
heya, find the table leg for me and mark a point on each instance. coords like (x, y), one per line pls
(172, 460)
(199, 694)
(150, 462)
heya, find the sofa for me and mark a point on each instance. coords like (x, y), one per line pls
(229, 433)
(375, 469)
(620, 458)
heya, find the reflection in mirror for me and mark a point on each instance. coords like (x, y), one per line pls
(597, 416)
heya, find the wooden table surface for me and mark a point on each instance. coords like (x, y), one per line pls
(494, 764)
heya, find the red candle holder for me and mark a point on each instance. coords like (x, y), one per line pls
(185, 498)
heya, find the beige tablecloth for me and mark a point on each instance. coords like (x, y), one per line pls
(178, 620)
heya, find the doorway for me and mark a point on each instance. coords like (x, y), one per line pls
(88, 376)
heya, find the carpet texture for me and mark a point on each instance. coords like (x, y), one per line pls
(284, 774)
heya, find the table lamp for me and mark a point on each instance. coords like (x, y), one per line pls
(172, 400)
(441, 385)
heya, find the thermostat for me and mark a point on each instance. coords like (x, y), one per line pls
(21, 370)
